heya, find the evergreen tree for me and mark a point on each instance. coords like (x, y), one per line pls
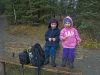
(35, 11)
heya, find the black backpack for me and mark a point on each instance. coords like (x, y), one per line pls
(38, 56)
(24, 57)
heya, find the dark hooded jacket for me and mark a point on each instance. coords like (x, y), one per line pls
(52, 33)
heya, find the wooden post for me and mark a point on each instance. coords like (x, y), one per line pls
(2, 68)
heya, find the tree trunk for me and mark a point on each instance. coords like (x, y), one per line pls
(15, 19)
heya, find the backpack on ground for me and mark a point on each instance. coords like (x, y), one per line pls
(38, 57)
(24, 57)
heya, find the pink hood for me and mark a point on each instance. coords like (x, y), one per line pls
(68, 19)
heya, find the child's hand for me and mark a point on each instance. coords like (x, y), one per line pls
(54, 39)
(50, 39)
(78, 43)
(65, 38)
(67, 35)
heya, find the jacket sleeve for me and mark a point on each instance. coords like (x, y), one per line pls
(77, 36)
(57, 35)
(47, 36)
(61, 34)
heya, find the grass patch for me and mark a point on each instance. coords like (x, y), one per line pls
(28, 30)
(89, 42)
(39, 32)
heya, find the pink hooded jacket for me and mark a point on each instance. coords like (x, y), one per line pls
(72, 36)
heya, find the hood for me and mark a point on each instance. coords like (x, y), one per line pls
(68, 19)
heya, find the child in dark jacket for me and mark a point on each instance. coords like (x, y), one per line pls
(52, 41)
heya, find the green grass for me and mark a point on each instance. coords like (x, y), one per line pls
(88, 41)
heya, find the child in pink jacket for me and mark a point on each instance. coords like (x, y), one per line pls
(69, 38)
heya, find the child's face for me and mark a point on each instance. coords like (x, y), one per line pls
(53, 25)
(67, 24)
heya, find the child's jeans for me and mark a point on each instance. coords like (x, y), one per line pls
(50, 51)
(68, 54)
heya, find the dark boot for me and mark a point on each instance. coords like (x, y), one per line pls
(46, 61)
(71, 66)
(63, 62)
(68, 62)
(53, 61)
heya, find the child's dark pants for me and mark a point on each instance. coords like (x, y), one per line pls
(50, 51)
(68, 54)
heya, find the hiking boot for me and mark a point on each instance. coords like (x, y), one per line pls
(53, 61)
(71, 66)
(63, 65)
(46, 61)
(53, 64)
(68, 64)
